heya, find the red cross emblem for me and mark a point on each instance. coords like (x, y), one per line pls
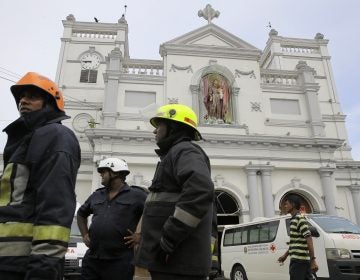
(272, 248)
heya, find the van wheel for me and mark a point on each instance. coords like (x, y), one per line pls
(238, 273)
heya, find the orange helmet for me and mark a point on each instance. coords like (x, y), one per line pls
(32, 79)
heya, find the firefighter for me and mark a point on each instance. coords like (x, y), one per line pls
(116, 210)
(176, 223)
(37, 198)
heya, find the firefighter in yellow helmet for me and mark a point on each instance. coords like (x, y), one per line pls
(37, 199)
(176, 223)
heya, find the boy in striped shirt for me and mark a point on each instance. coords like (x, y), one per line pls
(301, 249)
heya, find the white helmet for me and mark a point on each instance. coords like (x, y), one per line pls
(114, 164)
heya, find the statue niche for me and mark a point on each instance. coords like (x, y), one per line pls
(216, 93)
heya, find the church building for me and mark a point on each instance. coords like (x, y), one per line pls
(271, 119)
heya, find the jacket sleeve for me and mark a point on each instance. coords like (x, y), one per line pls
(53, 178)
(85, 210)
(192, 171)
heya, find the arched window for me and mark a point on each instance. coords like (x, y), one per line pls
(227, 208)
(305, 205)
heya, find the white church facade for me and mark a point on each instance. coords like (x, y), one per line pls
(271, 119)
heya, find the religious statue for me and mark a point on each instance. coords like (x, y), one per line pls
(216, 99)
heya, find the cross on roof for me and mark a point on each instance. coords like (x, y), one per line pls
(208, 13)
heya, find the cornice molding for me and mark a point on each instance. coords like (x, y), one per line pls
(285, 123)
(87, 87)
(86, 41)
(334, 118)
(142, 79)
(214, 30)
(349, 164)
(209, 51)
(213, 140)
(301, 42)
(135, 61)
(94, 26)
(281, 88)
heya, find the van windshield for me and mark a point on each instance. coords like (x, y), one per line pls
(75, 229)
(332, 224)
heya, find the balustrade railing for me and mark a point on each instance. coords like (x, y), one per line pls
(273, 77)
(94, 35)
(296, 49)
(153, 69)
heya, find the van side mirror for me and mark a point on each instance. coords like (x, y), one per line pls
(314, 232)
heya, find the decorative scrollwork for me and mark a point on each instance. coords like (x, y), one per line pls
(174, 67)
(255, 106)
(251, 73)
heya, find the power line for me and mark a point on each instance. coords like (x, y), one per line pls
(1, 77)
(80, 102)
(12, 73)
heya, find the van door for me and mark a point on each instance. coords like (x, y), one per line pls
(267, 245)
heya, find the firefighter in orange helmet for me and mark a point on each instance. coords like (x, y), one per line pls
(176, 223)
(37, 198)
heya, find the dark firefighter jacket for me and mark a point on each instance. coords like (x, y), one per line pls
(178, 213)
(37, 198)
(111, 220)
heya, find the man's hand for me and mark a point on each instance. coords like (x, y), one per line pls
(313, 266)
(86, 239)
(133, 239)
(282, 258)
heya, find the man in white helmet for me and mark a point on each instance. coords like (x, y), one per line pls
(116, 210)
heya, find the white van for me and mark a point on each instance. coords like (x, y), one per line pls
(75, 252)
(250, 250)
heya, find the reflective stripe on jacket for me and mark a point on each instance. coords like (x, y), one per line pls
(37, 198)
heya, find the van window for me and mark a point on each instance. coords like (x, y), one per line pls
(332, 224)
(254, 234)
(260, 233)
(287, 222)
(229, 237)
(244, 236)
(74, 229)
(237, 236)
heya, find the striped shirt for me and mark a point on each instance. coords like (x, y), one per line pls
(299, 230)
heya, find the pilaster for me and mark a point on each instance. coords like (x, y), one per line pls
(253, 192)
(235, 92)
(329, 189)
(111, 78)
(268, 201)
(307, 80)
(195, 91)
(355, 192)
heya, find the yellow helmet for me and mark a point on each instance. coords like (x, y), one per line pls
(178, 113)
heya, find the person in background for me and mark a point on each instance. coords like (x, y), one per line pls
(177, 220)
(116, 210)
(301, 249)
(37, 198)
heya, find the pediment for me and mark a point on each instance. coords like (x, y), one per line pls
(211, 35)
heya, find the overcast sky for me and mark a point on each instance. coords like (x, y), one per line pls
(30, 32)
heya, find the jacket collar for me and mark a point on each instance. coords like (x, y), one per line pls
(33, 120)
(169, 142)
